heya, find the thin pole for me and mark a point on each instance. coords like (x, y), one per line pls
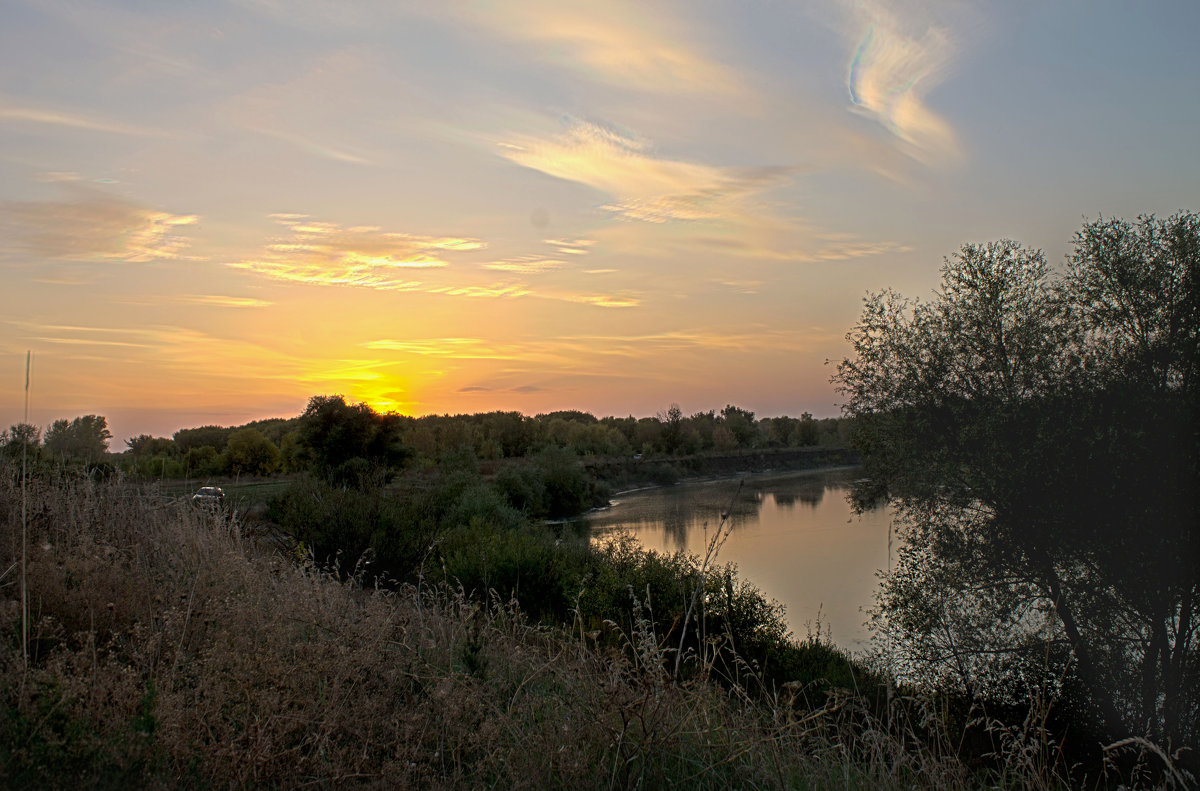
(25, 524)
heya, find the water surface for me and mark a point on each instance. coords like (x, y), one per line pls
(793, 535)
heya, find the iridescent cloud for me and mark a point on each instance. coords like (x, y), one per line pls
(896, 61)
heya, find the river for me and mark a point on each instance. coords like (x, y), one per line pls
(792, 535)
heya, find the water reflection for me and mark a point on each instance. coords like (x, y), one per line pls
(793, 535)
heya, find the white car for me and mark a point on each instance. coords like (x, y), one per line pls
(209, 497)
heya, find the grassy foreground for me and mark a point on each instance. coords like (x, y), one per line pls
(168, 649)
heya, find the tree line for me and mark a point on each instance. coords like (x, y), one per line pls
(337, 438)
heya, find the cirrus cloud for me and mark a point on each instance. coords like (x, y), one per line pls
(526, 265)
(90, 225)
(634, 46)
(317, 252)
(645, 187)
(329, 254)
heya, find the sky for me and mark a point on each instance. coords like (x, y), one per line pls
(210, 211)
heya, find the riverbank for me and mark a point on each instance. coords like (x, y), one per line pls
(637, 472)
(763, 475)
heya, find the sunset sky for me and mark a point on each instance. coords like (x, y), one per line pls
(210, 211)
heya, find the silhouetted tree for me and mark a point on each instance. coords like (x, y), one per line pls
(251, 453)
(83, 439)
(1039, 439)
(203, 461)
(214, 436)
(571, 415)
(740, 423)
(807, 432)
(647, 435)
(672, 428)
(147, 445)
(339, 434)
(21, 437)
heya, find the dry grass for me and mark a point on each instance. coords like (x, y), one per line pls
(168, 649)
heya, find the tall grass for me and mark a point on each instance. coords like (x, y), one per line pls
(25, 523)
(170, 648)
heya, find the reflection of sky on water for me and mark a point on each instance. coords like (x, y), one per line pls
(793, 535)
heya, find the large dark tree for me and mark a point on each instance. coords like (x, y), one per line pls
(20, 438)
(1038, 438)
(84, 438)
(349, 441)
(251, 453)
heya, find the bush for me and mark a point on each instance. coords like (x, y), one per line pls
(554, 486)
(522, 487)
(661, 473)
(527, 565)
(568, 490)
(340, 526)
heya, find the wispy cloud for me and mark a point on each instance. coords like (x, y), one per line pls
(569, 350)
(480, 365)
(605, 300)
(814, 251)
(897, 59)
(324, 253)
(570, 246)
(527, 265)
(742, 286)
(221, 301)
(525, 388)
(87, 342)
(35, 115)
(332, 128)
(328, 254)
(92, 225)
(185, 355)
(62, 276)
(645, 187)
(311, 145)
(456, 348)
(495, 291)
(634, 46)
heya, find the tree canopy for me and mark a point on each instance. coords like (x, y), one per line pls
(251, 453)
(346, 439)
(85, 438)
(1037, 435)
